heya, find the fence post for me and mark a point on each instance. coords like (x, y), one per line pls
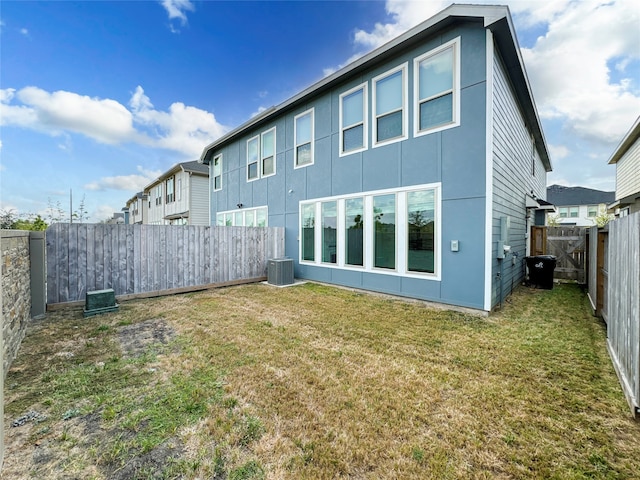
(38, 273)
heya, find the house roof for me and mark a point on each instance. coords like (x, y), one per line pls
(193, 166)
(496, 18)
(629, 139)
(564, 196)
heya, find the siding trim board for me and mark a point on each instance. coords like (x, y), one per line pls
(488, 234)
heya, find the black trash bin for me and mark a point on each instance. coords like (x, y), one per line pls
(541, 269)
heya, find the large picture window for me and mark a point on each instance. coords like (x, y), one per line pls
(303, 133)
(436, 89)
(384, 235)
(354, 231)
(353, 124)
(329, 231)
(391, 232)
(247, 217)
(420, 230)
(307, 239)
(390, 106)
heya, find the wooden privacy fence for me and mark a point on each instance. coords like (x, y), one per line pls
(568, 245)
(139, 259)
(623, 304)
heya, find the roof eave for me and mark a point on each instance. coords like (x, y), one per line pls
(629, 139)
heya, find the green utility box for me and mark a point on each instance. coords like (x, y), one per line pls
(100, 301)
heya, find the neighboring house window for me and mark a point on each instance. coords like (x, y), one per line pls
(303, 134)
(392, 231)
(248, 217)
(384, 235)
(217, 172)
(354, 231)
(390, 106)
(353, 120)
(436, 89)
(253, 145)
(563, 212)
(329, 232)
(592, 210)
(179, 190)
(159, 195)
(170, 189)
(268, 153)
(573, 212)
(307, 239)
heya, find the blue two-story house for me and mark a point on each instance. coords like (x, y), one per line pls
(413, 171)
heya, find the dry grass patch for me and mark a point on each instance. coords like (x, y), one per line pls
(319, 382)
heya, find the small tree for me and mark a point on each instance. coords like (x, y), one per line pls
(553, 220)
(7, 219)
(602, 219)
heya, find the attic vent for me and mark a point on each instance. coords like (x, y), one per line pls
(280, 271)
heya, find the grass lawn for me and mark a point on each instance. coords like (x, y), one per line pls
(257, 382)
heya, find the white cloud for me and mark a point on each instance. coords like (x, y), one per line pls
(134, 182)
(176, 9)
(24, 32)
(558, 152)
(182, 128)
(104, 120)
(568, 68)
(103, 212)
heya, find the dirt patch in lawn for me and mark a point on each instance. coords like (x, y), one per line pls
(138, 338)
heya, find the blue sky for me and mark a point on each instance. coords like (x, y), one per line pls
(102, 97)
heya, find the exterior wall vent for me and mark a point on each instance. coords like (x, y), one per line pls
(280, 271)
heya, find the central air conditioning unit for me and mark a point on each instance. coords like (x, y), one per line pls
(280, 271)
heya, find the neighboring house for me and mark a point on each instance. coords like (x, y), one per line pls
(578, 205)
(117, 219)
(136, 209)
(410, 171)
(627, 160)
(180, 196)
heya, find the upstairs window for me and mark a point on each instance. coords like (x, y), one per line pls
(390, 106)
(179, 190)
(170, 189)
(436, 89)
(252, 158)
(158, 195)
(268, 153)
(303, 133)
(592, 210)
(353, 124)
(217, 172)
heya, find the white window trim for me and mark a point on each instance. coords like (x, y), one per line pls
(401, 232)
(257, 138)
(261, 173)
(311, 112)
(455, 43)
(365, 116)
(405, 106)
(214, 173)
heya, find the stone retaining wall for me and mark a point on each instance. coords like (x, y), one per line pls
(16, 292)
